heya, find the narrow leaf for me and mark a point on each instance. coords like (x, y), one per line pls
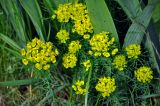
(18, 82)
(33, 10)
(15, 16)
(10, 42)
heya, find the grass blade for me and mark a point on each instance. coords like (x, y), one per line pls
(15, 17)
(18, 82)
(33, 10)
(101, 17)
(131, 7)
(10, 42)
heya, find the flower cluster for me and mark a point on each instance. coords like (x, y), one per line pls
(133, 51)
(64, 12)
(74, 46)
(69, 60)
(78, 87)
(87, 64)
(101, 44)
(40, 53)
(62, 35)
(120, 62)
(106, 86)
(144, 74)
(79, 16)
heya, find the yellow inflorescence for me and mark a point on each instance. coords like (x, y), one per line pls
(120, 62)
(114, 51)
(106, 86)
(40, 53)
(133, 51)
(74, 46)
(100, 44)
(78, 87)
(64, 12)
(79, 16)
(87, 64)
(62, 35)
(144, 74)
(69, 60)
(86, 36)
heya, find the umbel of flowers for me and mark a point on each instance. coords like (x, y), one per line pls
(76, 14)
(99, 46)
(40, 53)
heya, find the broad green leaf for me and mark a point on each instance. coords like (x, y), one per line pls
(33, 10)
(10, 42)
(18, 82)
(150, 47)
(156, 13)
(101, 17)
(131, 7)
(13, 12)
(137, 29)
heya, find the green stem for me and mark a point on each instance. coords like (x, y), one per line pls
(97, 100)
(87, 86)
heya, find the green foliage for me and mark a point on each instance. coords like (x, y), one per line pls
(101, 17)
(33, 10)
(15, 16)
(22, 20)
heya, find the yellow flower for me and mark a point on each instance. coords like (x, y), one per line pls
(144, 74)
(90, 52)
(23, 52)
(87, 64)
(120, 62)
(69, 60)
(106, 54)
(40, 53)
(86, 36)
(106, 86)
(64, 12)
(38, 66)
(78, 14)
(78, 87)
(62, 35)
(46, 67)
(74, 46)
(82, 23)
(101, 43)
(97, 54)
(114, 51)
(133, 51)
(25, 61)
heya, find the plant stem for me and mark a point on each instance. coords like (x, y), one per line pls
(87, 86)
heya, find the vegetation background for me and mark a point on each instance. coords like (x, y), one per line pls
(131, 21)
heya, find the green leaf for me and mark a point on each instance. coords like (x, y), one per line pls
(18, 82)
(131, 7)
(33, 10)
(10, 42)
(156, 13)
(150, 96)
(101, 17)
(137, 29)
(15, 16)
(14, 52)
